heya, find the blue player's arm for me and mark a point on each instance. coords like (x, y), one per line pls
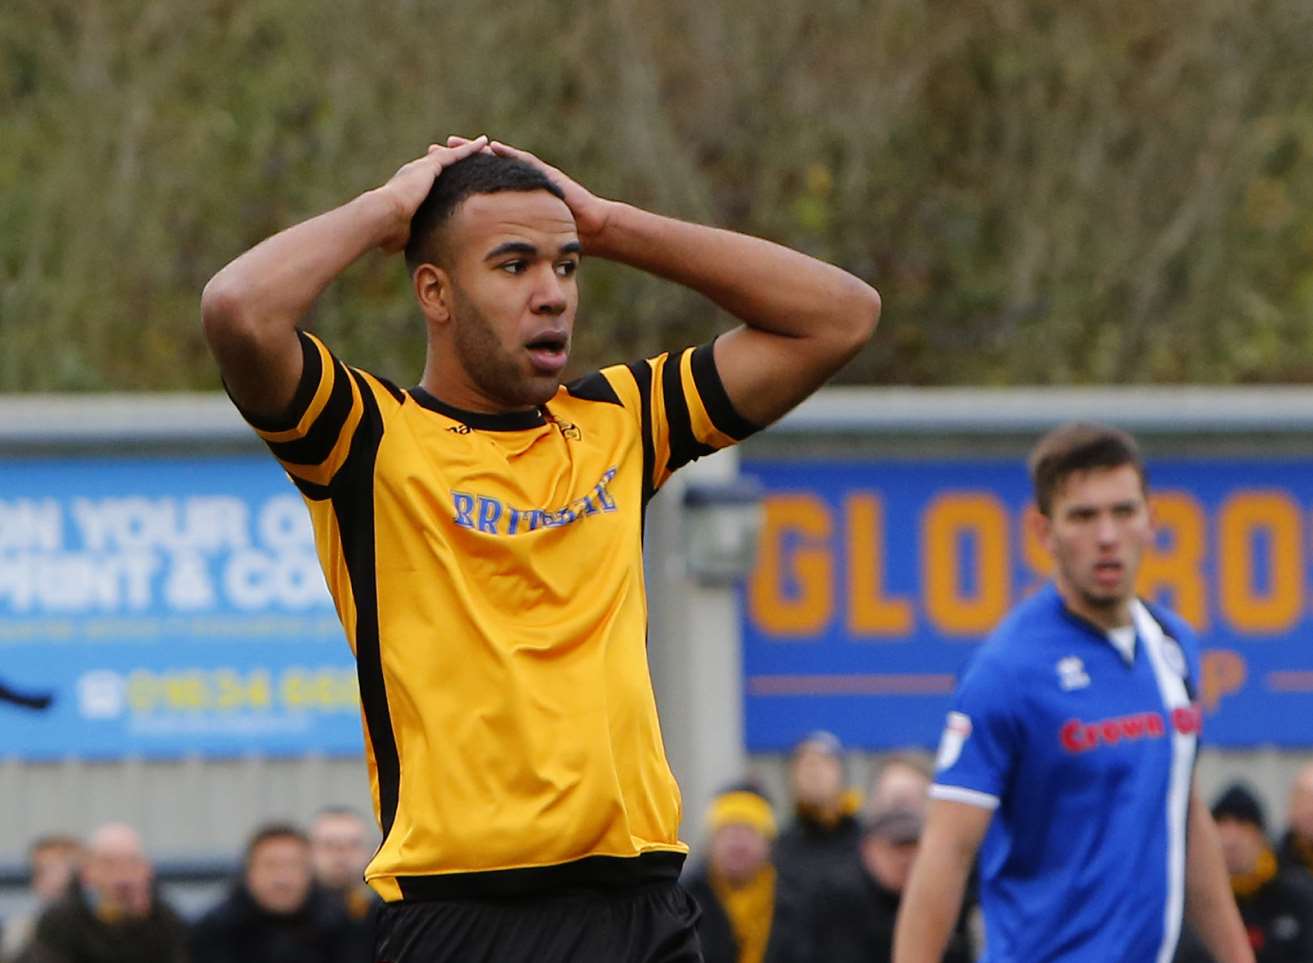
(931, 904)
(1209, 905)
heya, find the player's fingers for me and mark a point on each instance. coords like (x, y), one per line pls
(506, 150)
(456, 140)
(465, 148)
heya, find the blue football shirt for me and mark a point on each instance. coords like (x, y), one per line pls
(1083, 744)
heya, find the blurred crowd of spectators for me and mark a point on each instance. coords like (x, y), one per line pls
(822, 885)
(826, 889)
(299, 898)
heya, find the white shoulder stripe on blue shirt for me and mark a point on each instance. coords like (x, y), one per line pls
(972, 797)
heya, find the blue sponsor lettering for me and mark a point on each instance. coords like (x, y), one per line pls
(489, 513)
(464, 504)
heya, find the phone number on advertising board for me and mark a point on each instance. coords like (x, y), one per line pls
(226, 690)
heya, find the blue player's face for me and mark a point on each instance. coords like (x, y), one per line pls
(1097, 531)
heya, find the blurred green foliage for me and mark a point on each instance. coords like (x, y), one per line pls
(1117, 191)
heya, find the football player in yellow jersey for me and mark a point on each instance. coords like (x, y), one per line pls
(481, 533)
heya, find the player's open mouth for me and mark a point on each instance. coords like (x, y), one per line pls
(1108, 571)
(549, 351)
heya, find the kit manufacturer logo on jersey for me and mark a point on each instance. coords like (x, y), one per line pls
(1072, 674)
(956, 731)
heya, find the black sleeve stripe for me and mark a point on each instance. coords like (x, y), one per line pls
(719, 408)
(311, 371)
(316, 493)
(684, 445)
(353, 505)
(320, 440)
(398, 395)
(641, 371)
(593, 387)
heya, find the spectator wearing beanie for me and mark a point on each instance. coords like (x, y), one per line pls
(1276, 904)
(749, 914)
(823, 838)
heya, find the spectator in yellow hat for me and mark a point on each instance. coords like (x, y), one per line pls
(749, 914)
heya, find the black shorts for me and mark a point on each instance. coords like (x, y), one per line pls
(650, 923)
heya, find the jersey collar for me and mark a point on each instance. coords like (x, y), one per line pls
(1127, 653)
(481, 420)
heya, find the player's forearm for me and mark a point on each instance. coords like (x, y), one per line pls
(1209, 904)
(270, 288)
(765, 285)
(930, 906)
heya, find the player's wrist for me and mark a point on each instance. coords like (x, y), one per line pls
(384, 216)
(602, 229)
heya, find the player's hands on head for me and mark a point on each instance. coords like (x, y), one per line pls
(412, 182)
(590, 211)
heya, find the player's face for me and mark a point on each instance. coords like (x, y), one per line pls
(1097, 530)
(514, 295)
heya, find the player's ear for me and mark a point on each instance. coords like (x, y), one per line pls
(1039, 525)
(433, 291)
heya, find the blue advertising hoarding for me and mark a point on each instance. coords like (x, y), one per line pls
(876, 579)
(171, 606)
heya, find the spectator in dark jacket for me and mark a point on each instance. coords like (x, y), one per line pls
(1275, 903)
(749, 914)
(112, 914)
(340, 845)
(825, 830)
(851, 915)
(275, 914)
(1297, 844)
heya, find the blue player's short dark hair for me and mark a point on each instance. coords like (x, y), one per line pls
(476, 174)
(1075, 447)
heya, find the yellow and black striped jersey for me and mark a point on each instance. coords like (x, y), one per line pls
(488, 572)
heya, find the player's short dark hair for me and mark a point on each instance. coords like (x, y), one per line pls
(1076, 447)
(272, 831)
(476, 174)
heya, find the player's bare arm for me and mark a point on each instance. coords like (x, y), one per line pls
(802, 319)
(930, 907)
(251, 309)
(1209, 905)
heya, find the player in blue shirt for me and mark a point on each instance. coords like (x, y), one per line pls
(1067, 762)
